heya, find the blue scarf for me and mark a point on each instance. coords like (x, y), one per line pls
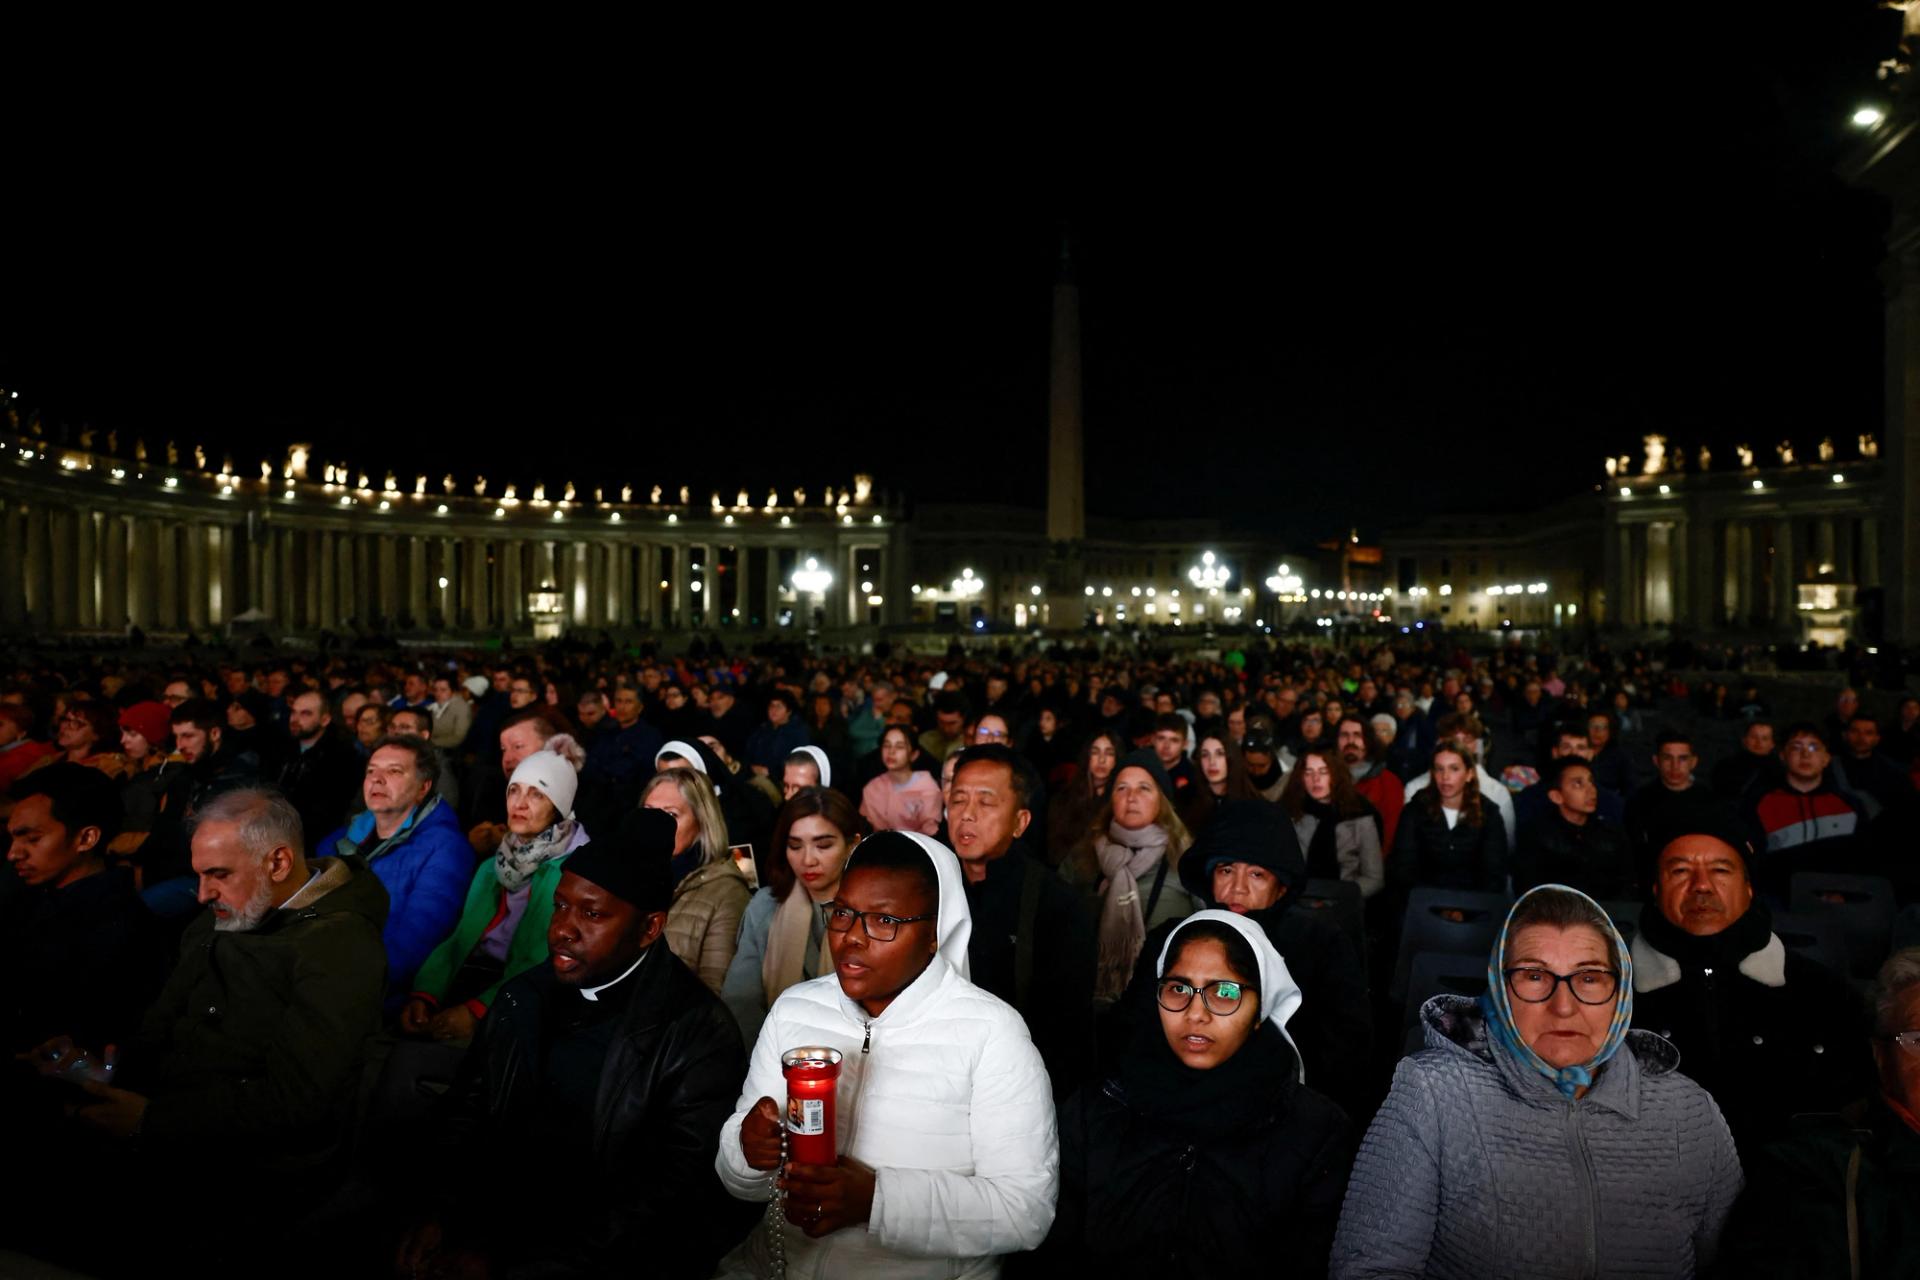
(1497, 1007)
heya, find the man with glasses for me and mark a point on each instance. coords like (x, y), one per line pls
(947, 1154)
(1806, 821)
(1766, 1031)
(1842, 1197)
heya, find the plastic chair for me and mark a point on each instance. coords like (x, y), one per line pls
(1342, 898)
(1816, 937)
(1625, 917)
(1438, 973)
(1428, 928)
(1862, 905)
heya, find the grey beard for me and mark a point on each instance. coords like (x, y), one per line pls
(257, 909)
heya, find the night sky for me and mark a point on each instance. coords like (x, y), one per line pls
(1331, 275)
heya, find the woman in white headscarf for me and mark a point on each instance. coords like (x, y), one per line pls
(1207, 1109)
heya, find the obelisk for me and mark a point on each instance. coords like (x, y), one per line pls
(1066, 456)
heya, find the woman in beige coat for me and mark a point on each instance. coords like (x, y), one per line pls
(710, 894)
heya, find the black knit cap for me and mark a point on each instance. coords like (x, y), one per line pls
(1720, 825)
(634, 865)
(1244, 831)
(1142, 758)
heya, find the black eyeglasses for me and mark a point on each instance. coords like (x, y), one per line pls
(1221, 997)
(1537, 986)
(879, 926)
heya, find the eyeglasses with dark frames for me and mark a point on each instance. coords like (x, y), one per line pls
(880, 926)
(1221, 996)
(1537, 986)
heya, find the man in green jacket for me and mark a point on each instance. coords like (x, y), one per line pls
(1841, 1197)
(249, 1060)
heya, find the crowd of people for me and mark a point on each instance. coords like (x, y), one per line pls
(1113, 953)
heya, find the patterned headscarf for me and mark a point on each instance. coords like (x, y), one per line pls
(1497, 1004)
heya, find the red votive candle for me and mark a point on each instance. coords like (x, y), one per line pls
(812, 1075)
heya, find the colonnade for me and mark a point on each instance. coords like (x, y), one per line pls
(78, 565)
(1737, 572)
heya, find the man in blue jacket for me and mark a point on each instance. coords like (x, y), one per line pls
(410, 839)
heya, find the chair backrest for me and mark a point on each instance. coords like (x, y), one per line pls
(1342, 899)
(1435, 973)
(1430, 925)
(1817, 937)
(1625, 917)
(1863, 906)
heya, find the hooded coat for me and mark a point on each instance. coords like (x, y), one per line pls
(256, 1042)
(1478, 1166)
(1141, 1149)
(942, 1094)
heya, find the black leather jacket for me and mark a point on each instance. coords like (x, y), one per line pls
(645, 1196)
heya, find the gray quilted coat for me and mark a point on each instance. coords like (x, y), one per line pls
(1477, 1167)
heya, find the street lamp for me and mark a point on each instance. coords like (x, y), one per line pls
(1285, 582)
(967, 586)
(812, 579)
(1209, 573)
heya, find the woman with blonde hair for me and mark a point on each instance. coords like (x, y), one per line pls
(1132, 852)
(710, 892)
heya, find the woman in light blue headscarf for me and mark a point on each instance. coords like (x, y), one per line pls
(1535, 1135)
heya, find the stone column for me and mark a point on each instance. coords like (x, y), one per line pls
(326, 600)
(417, 580)
(113, 571)
(676, 569)
(1869, 551)
(86, 557)
(1844, 569)
(387, 576)
(143, 569)
(1786, 594)
(194, 555)
(167, 600)
(1825, 558)
(60, 569)
(770, 589)
(513, 587)
(477, 603)
(13, 557)
(709, 585)
(220, 590)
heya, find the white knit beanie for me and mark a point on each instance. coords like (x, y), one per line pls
(551, 775)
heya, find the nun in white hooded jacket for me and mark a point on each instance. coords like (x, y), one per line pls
(944, 1118)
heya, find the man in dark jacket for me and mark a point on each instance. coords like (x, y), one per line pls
(1032, 944)
(322, 776)
(1768, 1032)
(1673, 801)
(215, 766)
(623, 758)
(1570, 843)
(77, 946)
(1841, 1197)
(612, 1063)
(1569, 739)
(1754, 767)
(247, 1064)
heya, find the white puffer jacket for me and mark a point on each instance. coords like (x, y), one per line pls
(943, 1095)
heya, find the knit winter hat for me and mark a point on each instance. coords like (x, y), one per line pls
(552, 776)
(477, 686)
(149, 720)
(1142, 758)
